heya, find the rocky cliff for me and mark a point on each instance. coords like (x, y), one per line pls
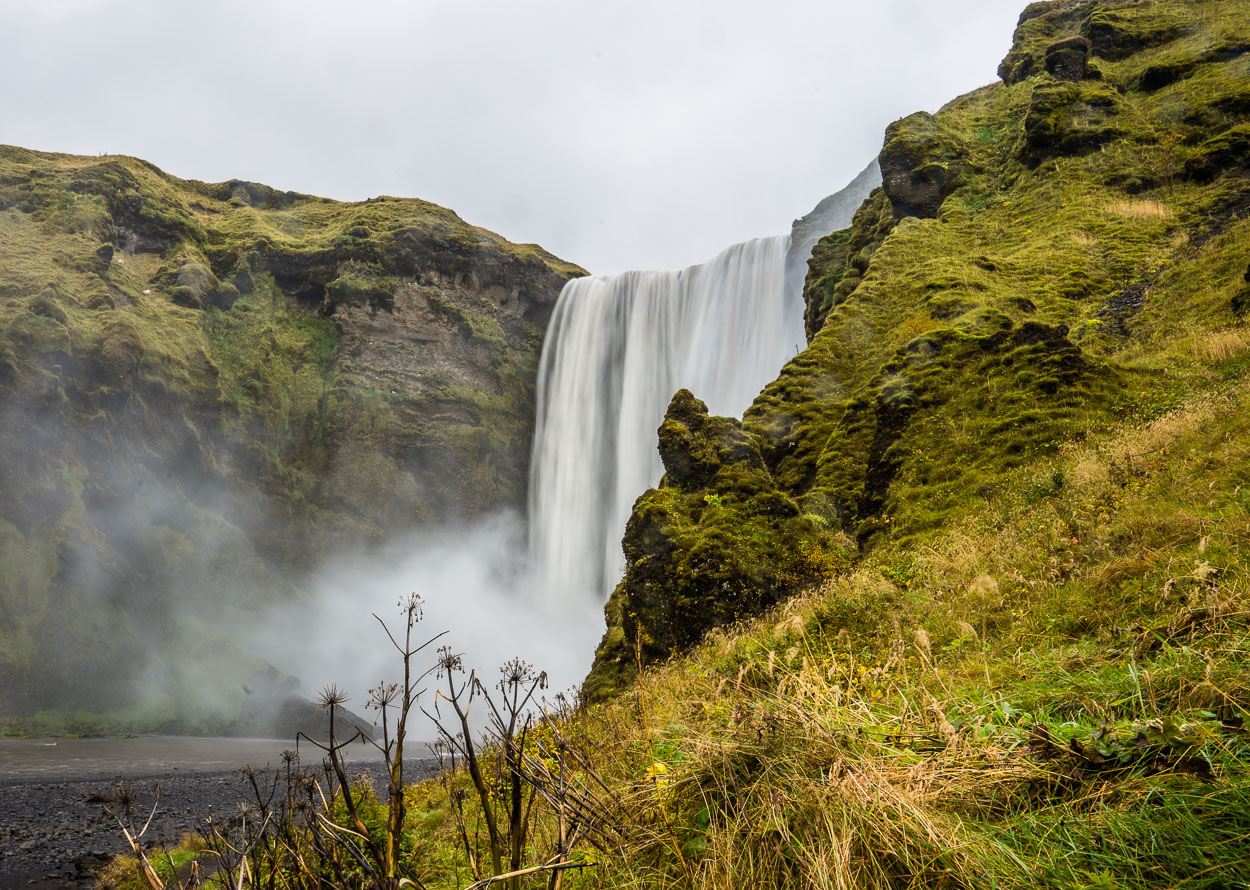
(201, 385)
(1044, 259)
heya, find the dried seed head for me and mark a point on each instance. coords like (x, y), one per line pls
(922, 641)
(449, 661)
(333, 697)
(382, 695)
(517, 671)
(411, 606)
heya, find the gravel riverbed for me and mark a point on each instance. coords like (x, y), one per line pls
(54, 832)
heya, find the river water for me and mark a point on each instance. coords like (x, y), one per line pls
(60, 760)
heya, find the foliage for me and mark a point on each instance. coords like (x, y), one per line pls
(1046, 257)
(232, 367)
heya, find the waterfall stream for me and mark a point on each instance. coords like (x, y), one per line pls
(617, 349)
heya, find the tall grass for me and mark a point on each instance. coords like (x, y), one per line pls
(1052, 694)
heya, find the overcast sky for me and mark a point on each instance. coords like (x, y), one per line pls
(640, 134)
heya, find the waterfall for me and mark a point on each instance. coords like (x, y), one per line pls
(617, 349)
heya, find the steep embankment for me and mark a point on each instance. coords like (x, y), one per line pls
(203, 384)
(1036, 268)
(1022, 422)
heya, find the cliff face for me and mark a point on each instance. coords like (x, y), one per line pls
(202, 384)
(1040, 253)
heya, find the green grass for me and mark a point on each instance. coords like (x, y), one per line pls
(178, 340)
(1064, 284)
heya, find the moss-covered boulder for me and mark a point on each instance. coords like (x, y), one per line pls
(1068, 59)
(1040, 26)
(920, 165)
(1227, 152)
(1116, 32)
(1070, 118)
(696, 560)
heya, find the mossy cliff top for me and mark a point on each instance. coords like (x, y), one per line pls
(1043, 262)
(202, 384)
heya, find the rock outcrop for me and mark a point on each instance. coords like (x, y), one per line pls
(988, 306)
(203, 384)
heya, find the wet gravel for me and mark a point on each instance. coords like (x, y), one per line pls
(56, 834)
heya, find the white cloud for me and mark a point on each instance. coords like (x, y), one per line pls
(618, 135)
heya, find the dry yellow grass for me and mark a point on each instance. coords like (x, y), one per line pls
(1217, 346)
(914, 327)
(1083, 239)
(1138, 210)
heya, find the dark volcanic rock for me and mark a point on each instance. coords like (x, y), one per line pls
(1067, 118)
(695, 560)
(1066, 59)
(919, 166)
(1116, 33)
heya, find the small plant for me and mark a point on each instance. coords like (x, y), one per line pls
(327, 829)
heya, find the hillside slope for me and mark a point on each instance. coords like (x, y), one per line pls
(1017, 450)
(964, 601)
(1041, 262)
(201, 385)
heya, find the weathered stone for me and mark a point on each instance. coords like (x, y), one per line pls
(1040, 25)
(695, 561)
(1066, 59)
(1068, 119)
(919, 167)
(1116, 33)
(197, 278)
(1228, 151)
(225, 296)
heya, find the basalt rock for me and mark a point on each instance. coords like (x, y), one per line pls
(920, 165)
(1040, 26)
(1229, 151)
(1069, 119)
(1067, 59)
(1116, 32)
(694, 560)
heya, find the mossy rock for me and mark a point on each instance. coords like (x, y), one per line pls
(843, 257)
(185, 296)
(224, 296)
(1117, 33)
(1066, 118)
(695, 561)
(920, 165)
(1068, 59)
(1040, 26)
(197, 278)
(1228, 151)
(695, 447)
(357, 284)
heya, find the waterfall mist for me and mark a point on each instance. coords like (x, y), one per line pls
(617, 349)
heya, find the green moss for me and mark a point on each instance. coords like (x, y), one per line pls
(188, 339)
(1084, 267)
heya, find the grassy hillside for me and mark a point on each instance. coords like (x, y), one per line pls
(1023, 417)
(203, 384)
(964, 601)
(1022, 422)
(1045, 260)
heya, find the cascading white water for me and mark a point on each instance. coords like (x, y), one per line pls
(617, 349)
